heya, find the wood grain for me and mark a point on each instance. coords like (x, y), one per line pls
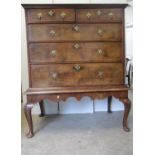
(66, 52)
(56, 17)
(99, 15)
(66, 75)
(66, 32)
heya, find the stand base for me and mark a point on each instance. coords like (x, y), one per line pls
(56, 94)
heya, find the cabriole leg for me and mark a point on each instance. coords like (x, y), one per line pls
(127, 106)
(28, 115)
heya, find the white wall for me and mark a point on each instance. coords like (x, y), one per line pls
(129, 29)
(71, 105)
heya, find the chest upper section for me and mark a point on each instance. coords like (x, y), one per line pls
(68, 15)
(74, 23)
(70, 45)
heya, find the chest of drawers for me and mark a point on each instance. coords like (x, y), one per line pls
(75, 50)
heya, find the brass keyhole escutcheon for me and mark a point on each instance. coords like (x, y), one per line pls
(51, 13)
(88, 14)
(100, 74)
(100, 32)
(77, 67)
(76, 28)
(53, 53)
(99, 12)
(54, 75)
(100, 52)
(76, 46)
(52, 33)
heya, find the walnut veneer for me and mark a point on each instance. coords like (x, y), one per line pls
(75, 50)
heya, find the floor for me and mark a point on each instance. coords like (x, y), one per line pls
(79, 134)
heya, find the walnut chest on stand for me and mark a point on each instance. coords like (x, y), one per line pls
(75, 51)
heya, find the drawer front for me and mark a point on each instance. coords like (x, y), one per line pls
(76, 74)
(99, 15)
(50, 15)
(75, 52)
(72, 32)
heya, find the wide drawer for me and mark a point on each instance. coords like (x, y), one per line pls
(76, 74)
(99, 15)
(72, 32)
(50, 15)
(75, 52)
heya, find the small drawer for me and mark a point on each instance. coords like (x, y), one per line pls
(75, 52)
(99, 15)
(76, 74)
(74, 32)
(50, 15)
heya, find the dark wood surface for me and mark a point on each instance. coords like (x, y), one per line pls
(34, 98)
(76, 6)
(68, 53)
(66, 32)
(82, 15)
(75, 50)
(50, 15)
(99, 15)
(79, 89)
(67, 75)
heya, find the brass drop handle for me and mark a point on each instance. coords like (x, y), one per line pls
(51, 13)
(100, 74)
(100, 51)
(110, 14)
(100, 32)
(54, 75)
(39, 15)
(88, 14)
(76, 28)
(77, 67)
(53, 53)
(76, 46)
(98, 12)
(52, 33)
(63, 15)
